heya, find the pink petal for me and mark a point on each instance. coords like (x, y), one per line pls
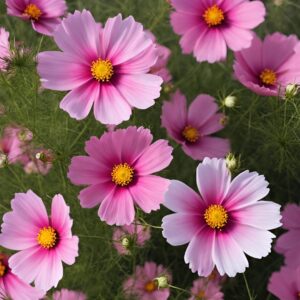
(290, 216)
(67, 250)
(182, 22)
(46, 26)
(148, 192)
(189, 39)
(212, 125)
(188, 6)
(51, 8)
(155, 158)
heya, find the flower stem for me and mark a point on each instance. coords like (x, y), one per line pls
(179, 289)
(247, 287)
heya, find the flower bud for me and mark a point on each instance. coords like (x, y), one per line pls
(278, 2)
(232, 162)
(291, 91)
(125, 242)
(230, 101)
(3, 160)
(162, 282)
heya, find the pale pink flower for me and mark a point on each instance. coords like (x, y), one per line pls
(288, 243)
(118, 170)
(206, 290)
(44, 15)
(105, 68)
(40, 162)
(192, 127)
(43, 242)
(208, 27)
(65, 294)
(285, 284)
(4, 49)
(226, 222)
(136, 235)
(142, 283)
(12, 287)
(268, 66)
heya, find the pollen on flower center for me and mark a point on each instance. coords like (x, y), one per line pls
(213, 16)
(191, 134)
(32, 11)
(102, 70)
(122, 174)
(150, 286)
(216, 216)
(2, 269)
(47, 237)
(268, 77)
(201, 295)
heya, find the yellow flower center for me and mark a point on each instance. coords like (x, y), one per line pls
(102, 70)
(201, 295)
(47, 237)
(268, 77)
(191, 134)
(32, 11)
(213, 16)
(150, 286)
(2, 269)
(122, 174)
(216, 216)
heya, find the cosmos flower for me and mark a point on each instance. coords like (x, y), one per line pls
(142, 283)
(128, 236)
(288, 243)
(118, 170)
(204, 289)
(285, 284)
(4, 48)
(268, 66)
(208, 27)
(192, 127)
(40, 162)
(43, 242)
(226, 222)
(106, 68)
(44, 15)
(65, 294)
(13, 287)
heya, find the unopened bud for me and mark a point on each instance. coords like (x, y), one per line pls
(3, 160)
(46, 156)
(230, 101)
(168, 88)
(232, 162)
(162, 282)
(291, 91)
(125, 242)
(224, 120)
(278, 2)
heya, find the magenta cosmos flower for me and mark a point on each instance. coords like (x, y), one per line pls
(118, 170)
(107, 68)
(208, 27)
(224, 223)
(288, 243)
(268, 66)
(43, 242)
(206, 290)
(65, 294)
(192, 127)
(44, 14)
(129, 236)
(142, 283)
(4, 48)
(12, 287)
(285, 284)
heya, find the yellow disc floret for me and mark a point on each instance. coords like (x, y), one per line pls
(102, 70)
(122, 174)
(268, 77)
(150, 286)
(32, 11)
(191, 134)
(47, 237)
(213, 16)
(201, 295)
(2, 269)
(216, 216)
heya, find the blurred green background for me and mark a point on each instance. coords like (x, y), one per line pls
(264, 131)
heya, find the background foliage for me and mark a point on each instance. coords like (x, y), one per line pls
(264, 131)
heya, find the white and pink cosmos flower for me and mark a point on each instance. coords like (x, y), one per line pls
(44, 15)
(4, 48)
(104, 68)
(43, 242)
(65, 294)
(225, 222)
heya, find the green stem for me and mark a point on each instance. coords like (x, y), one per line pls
(147, 224)
(179, 289)
(247, 287)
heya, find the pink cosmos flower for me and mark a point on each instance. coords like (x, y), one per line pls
(192, 127)
(105, 68)
(118, 170)
(288, 243)
(285, 284)
(135, 235)
(65, 294)
(44, 14)
(4, 48)
(142, 283)
(160, 68)
(43, 242)
(208, 27)
(13, 287)
(224, 223)
(206, 290)
(268, 66)
(40, 162)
